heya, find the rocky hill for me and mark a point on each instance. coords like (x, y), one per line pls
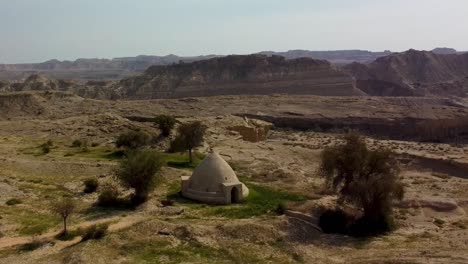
(334, 56)
(413, 73)
(91, 69)
(35, 82)
(117, 68)
(231, 75)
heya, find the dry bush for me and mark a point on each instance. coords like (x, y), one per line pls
(367, 179)
(109, 195)
(133, 139)
(91, 185)
(64, 207)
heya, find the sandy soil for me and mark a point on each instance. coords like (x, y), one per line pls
(432, 219)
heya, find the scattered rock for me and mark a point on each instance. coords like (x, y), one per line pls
(164, 232)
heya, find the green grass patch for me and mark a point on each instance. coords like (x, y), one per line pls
(158, 251)
(262, 200)
(70, 235)
(181, 160)
(45, 189)
(29, 222)
(13, 201)
(98, 152)
(190, 251)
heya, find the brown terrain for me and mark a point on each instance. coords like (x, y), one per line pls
(270, 118)
(91, 69)
(432, 220)
(413, 73)
(104, 69)
(231, 75)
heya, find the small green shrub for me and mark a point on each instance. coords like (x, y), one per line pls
(70, 235)
(165, 123)
(138, 172)
(35, 243)
(133, 139)
(13, 201)
(167, 202)
(118, 154)
(439, 222)
(77, 143)
(91, 185)
(45, 148)
(109, 195)
(461, 224)
(281, 208)
(94, 232)
(84, 146)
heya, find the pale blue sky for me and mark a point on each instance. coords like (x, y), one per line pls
(38, 30)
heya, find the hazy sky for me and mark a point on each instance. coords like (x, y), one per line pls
(38, 30)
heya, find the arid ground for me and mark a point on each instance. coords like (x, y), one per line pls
(432, 220)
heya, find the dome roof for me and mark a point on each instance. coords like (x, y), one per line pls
(212, 172)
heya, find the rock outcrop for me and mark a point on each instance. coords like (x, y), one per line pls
(333, 56)
(252, 130)
(234, 75)
(35, 82)
(86, 69)
(413, 73)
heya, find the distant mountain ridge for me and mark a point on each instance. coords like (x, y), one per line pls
(230, 75)
(413, 73)
(92, 69)
(333, 56)
(118, 68)
(239, 74)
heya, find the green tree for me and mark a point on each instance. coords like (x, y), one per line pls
(133, 139)
(368, 179)
(138, 171)
(190, 136)
(165, 123)
(64, 207)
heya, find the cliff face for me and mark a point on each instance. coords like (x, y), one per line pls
(91, 69)
(91, 89)
(417, 73)
(233, 75)
(334, 56)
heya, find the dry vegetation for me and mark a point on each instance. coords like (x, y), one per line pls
(281, 172)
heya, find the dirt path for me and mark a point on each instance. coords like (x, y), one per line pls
(118, 223)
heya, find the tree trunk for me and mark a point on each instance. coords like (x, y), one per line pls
(190, 155)
(64, 225)
(139, 197)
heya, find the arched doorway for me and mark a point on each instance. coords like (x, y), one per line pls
(234, 195)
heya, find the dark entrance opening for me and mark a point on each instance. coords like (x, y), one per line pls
(234, 195)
